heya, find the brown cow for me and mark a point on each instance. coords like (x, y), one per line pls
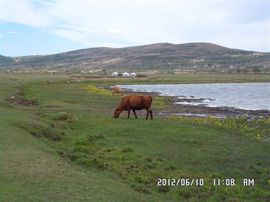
(117, 90)
(134, 102)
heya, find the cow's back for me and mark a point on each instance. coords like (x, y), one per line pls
(137, 101)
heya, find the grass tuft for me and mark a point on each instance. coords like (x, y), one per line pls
(64, 116)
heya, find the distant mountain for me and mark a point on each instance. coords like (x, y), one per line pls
(154, 56)
(6, 60)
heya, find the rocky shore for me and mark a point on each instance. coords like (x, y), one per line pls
(204, 111)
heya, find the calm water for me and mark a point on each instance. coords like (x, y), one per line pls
(254, 96)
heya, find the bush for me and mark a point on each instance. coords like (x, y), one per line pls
(95, 90)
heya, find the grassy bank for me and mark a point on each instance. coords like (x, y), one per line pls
(67, 147)
(150, 78)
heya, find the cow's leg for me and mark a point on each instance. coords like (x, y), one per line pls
(151, 114)
(134, 112)
(147, 113)
(128, 113)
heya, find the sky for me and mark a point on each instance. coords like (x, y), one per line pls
(37, 27)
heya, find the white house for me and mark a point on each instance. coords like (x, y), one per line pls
(126, 74)
(133, 74)
(52, 71)
(115, 74)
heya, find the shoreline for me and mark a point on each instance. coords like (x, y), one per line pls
(202, 110)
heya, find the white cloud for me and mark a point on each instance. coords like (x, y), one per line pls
(12, 32)
(115, 30)
(23, 12)
(130, 22)
(70, 34)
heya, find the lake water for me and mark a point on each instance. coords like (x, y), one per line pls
(251, 96)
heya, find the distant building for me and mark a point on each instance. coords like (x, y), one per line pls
(133, 74)
(126, 74)
(52, 71)
(115, 74)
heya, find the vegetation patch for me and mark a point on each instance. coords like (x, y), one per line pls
(96, 90)
(64, 116)
(140, 172)
(92, 138)
(22, 101)
(159, 102)
(42, 130)
(258, 129)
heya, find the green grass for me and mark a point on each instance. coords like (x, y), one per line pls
(151, 78)
(209, 78)
(69, 148)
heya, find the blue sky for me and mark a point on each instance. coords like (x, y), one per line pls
(30, 27)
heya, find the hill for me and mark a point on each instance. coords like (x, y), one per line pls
(155, 56)
(6, 60)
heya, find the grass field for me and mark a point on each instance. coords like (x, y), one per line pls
(67, 147)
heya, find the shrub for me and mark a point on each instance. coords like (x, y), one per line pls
(159, 102)
(95, 90)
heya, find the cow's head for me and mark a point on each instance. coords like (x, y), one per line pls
(116, 112)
